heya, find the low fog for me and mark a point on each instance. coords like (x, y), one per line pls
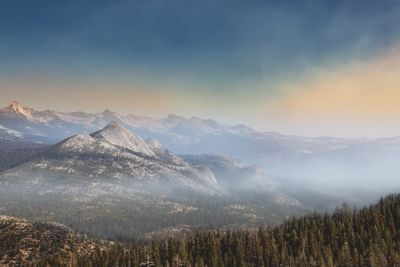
(360, 174)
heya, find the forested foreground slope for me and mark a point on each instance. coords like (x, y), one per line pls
(368, 237)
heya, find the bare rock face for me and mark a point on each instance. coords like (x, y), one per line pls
(18, 108)
(116, 134)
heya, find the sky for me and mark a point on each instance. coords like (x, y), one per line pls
(298, 67)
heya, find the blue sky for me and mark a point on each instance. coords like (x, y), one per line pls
(199, 48)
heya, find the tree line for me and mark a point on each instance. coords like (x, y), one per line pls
(368, 237)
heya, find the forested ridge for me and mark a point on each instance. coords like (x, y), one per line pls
(367, 237)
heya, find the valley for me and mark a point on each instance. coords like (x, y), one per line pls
(104, 181)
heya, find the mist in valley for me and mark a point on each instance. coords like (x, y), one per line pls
(124, 177)
(262, 189)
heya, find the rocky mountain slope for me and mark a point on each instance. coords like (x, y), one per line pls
(112, 156)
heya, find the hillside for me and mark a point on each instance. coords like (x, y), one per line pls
(369, 237)
(25, 243)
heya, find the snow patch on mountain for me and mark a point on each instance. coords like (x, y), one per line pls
(10, 131)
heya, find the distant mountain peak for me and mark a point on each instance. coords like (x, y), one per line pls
(173, 117)
(17, 107)
(108, 111)
(115, 125)
(241, 129)
(118, 135)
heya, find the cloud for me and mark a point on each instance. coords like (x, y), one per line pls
(364, 94)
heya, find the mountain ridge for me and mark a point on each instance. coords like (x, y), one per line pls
(114, 153)
(100, 119)
(280, 155)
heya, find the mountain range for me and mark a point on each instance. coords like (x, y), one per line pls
(182, 135)
(108, 174)
(283, 156)
(18, 121)
(112, 170)
(179, 134)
